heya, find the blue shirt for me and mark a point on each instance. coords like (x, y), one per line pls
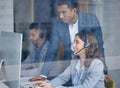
(78, 75)
(33, 64)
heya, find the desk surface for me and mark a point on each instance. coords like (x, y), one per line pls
(25, 83)
(2, 85)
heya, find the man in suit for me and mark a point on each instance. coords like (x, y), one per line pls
(69, 22)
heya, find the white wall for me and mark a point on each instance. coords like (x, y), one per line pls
(6, 15)
(111, 29)
(109, 15)
(23, 16)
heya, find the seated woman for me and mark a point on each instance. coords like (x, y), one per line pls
(86, 69)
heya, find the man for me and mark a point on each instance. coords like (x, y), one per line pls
(68, 23)
(32, 66)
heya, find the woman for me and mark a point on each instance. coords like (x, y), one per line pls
(86, 69)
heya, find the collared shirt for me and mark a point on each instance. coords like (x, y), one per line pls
(73, 29)
(33, 63)
(38, 54)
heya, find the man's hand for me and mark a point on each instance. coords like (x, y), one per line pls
(38, 78)
(43, 84)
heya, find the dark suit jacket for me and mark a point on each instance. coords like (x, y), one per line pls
(60, 33)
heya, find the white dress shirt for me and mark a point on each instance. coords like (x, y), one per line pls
(73, 29)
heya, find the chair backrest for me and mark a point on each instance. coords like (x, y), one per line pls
(110, 84)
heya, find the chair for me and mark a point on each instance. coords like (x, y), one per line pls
(110, 84)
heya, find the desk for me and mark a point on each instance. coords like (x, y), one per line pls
(2, 85)
(25, 83)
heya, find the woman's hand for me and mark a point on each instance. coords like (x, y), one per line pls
(43, 84)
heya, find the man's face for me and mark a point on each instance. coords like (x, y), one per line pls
(34, 36)
(65, 14)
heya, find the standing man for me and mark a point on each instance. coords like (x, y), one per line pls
(69, 22)
(31, 66)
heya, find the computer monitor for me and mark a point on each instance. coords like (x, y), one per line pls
(10, 51)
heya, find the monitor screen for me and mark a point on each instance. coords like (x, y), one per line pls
(10, 51)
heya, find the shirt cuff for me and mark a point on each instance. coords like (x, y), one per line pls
(43, 76)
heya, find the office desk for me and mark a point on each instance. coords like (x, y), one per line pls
(25, 83)
(2, 85)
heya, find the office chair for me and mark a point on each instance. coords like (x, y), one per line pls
(110, 84)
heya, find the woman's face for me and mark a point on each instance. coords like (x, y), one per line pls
(78, 46)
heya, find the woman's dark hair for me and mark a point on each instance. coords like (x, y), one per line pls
(93, 51)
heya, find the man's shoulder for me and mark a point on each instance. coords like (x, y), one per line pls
(88, 19)
(87, 14)
(58, 22)
(45, 46)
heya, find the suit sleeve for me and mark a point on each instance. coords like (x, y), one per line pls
(97, 31)
(96, 72)
(52, 51)
(62, 78)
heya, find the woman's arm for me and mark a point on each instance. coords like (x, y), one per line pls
(95, 74)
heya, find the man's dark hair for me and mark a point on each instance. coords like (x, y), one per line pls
(70, 3)
(37, 26)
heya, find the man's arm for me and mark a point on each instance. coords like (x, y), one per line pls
(52, 51)
(27, 62)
